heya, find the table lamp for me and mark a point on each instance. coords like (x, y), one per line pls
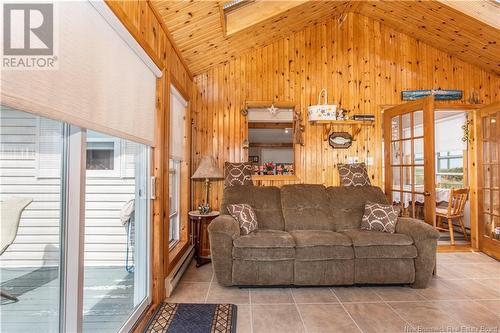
(207, 170)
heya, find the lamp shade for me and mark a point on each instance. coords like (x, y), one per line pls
(207, 169)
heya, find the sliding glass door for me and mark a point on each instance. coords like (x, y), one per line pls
(76, 205)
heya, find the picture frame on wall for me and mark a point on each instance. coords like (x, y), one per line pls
(253, 159)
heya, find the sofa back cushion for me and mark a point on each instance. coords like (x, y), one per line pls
(347, 204)
(265, 201)
(305, 207)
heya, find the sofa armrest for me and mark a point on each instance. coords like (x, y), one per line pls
(222, 231)
(425, 238)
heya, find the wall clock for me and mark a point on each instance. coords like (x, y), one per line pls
(340, 140)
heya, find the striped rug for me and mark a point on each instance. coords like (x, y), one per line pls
(194, 318)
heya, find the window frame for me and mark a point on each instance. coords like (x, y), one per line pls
(117, 165)
(174, 217)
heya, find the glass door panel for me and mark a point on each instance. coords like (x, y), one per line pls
(116, 232)
(31, 187)
(489, 175)
(410, 172)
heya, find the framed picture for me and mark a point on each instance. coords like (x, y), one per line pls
(340, 140)
(253, 159)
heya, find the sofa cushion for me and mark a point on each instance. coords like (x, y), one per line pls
(265, 201)
(321, 245)
(305, 207)
(347, 204)
(379, 245)
(379, 217)
(264, 245)
(244, 214)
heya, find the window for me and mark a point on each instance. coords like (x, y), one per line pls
(450, 169)
(174, 178)
(176, 173)
(103, 155)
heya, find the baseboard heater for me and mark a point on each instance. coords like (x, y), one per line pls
(173, 278)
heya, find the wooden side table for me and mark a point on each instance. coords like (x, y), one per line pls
(197, 222)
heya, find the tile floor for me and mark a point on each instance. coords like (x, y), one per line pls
(463, 297)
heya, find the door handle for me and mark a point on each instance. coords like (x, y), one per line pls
(427, 194)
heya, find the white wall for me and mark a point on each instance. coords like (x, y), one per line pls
(276, 155)
(37, 241)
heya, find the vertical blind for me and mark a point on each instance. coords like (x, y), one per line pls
(177, 114)
(101, 83)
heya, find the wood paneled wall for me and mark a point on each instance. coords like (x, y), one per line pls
(362, 63)
(143, 22)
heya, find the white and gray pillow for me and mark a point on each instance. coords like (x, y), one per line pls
(353, 174)
(244, 214)
(379, 217)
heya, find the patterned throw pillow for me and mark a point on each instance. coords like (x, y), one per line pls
(238, 174)
(244, 214)
(379, 217)
(353, 175)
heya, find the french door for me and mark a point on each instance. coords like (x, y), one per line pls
(409, 158)
(489, 179)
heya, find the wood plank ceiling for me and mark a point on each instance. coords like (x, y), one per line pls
(197, 28)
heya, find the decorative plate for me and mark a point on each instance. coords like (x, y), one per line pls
(340, 140)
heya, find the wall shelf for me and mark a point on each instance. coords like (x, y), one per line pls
(356, 126)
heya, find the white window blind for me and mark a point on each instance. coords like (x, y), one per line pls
(102, 83)
(177, 122)
(49, 148)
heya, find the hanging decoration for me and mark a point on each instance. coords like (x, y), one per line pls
(273, 110)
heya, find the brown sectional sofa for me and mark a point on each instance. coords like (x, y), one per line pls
(309, 235)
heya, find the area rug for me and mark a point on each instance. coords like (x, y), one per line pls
(194, 318)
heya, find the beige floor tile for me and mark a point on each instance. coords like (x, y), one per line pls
(472, 258)
(394, 293)
(484, 270)
(424, 315)
(356, 294)
(271, 296)
(449, 271)
(475, 289)
(276, 318)
(491, 305)
(243, 319)
(438, 289)
(313, 295)
(189, 292)
(470, 315)
(200, 274)
(326, 318)
(234, 295)
(376, 317)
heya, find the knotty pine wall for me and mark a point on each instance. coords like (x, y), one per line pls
(144, 23)
(362, 63)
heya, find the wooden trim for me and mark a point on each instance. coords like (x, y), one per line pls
(141, 325)
(124, 18)
(266, 104)
(270, 125)
(175, 254)
(275, 177)
(179, 87)
(454, 248)
(169, 38)
(271, 145)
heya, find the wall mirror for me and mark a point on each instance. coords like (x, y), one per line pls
(271, 138)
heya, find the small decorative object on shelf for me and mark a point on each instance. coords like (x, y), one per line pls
(497, 233)
(439, 95)
(342, 114)
(323, 111)
(340, 140)
(364, 117)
